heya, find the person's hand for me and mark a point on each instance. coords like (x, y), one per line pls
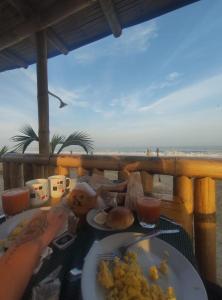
(56, 219)
(43, 227)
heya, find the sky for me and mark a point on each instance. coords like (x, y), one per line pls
(159, 84)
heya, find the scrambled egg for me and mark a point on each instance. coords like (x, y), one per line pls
(13, 234)
(124, 280)
(154, 274)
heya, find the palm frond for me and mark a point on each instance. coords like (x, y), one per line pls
(78, 138)
(3, 150)
(23, 141)
(55, 141)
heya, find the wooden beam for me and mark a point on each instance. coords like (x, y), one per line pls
(56, 41)
(43, 99)
(14, 58)
(21, 6)
(54, 14)
(111, 17)
(24, 10)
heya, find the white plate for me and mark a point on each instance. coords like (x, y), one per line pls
(182, 275)
(90, 219)
(12, 222)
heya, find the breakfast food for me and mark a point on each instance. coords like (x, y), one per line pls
(81, 202)
(119, 218)
(6, 243)
(124, 280)
(101, 218)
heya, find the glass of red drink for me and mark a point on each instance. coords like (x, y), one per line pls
(15, 200)
(148, 211)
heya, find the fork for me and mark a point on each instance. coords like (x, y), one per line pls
(120, 251)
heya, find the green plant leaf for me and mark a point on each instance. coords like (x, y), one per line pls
(78, 138)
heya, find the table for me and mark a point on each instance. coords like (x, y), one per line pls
(74, 255)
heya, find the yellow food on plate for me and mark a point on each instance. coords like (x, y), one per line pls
(153, 272)
(13, 234)
(163, 267)
(124, 280)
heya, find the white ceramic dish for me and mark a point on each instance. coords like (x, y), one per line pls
(12, 222)
(90, 220)
(182, 275)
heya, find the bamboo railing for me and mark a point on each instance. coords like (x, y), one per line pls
(193, 185)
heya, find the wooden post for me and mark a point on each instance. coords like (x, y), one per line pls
(38, 171)
(42, 86)
(6, 175)
(147, 182)
(81, 172)
(183, 189)
(63, 171)
(205, 226)
(16, 176)
(28, 172)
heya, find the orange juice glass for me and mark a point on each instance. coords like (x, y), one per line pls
(148, 211)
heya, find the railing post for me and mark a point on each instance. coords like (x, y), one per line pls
(205, 226)
(183, 189)
(16, 176)
(6, 175)
(147, 182)
(62, 171)
(28, 172)
(38, 171)
(81, 171)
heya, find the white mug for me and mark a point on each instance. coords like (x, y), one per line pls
(39, 191)
(58, 184)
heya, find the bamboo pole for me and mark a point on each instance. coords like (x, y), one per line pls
(183, 189)
(62, 171)
(6, 175)
(28, 172)
(38, 171)
(205, 226)
(163, 165)
(81, 171)
(147, 182)
(42, 86)
(16, 176)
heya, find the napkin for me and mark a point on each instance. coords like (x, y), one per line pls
(48, 288)
(45, 254)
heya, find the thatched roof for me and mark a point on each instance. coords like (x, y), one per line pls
(70, 24)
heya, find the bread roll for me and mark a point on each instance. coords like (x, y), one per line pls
(119, 218)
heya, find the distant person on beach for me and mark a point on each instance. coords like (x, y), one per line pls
(157, 152)
(20, 260)
(148, 152)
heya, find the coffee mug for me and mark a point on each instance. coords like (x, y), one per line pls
(39, 191)
(58, 184)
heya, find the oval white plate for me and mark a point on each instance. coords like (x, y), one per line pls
(12, 222)
(182, 275)
(90, 219)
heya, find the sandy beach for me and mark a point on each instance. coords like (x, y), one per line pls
(164, 185)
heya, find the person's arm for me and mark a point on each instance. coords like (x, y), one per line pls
(19, 262)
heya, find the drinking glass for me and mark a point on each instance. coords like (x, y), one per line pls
(15, 200)
(148, 211)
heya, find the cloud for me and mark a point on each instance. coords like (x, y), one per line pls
(206, 89)
(132, 102)
(173, 76)
(136, 39)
